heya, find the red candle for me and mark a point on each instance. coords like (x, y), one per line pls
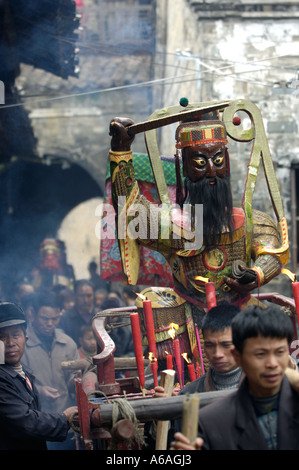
(295, 286)
(178, 359)
(138, 347)
(210, 295)
(169, 361)
(154, 371)
(149, 324)
(191, 371)
(199, 348)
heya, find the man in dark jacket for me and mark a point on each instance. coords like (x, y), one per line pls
(23, 426)
(223, 373)
(263, 414)
(81, 313)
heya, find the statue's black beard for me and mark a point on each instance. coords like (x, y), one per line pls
(217, 205)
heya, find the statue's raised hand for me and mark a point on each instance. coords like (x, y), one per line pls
(121, 140)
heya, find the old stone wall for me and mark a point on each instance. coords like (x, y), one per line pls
(229, 50)
(70, 118)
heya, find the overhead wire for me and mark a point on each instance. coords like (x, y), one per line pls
(97, 47)
(173, 79)
(122, 47)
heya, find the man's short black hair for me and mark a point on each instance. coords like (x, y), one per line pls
(255, 321)
(220, 317)
(44, 299)
(111, 302)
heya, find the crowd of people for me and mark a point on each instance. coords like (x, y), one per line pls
(247, 351)
(245, 342)
(52, 326)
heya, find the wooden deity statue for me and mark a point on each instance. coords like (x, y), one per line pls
(203, 236)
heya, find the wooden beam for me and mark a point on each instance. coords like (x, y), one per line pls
(149, 409)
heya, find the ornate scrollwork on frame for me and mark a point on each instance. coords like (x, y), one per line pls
(260, 150)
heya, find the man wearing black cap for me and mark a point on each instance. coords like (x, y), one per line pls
(23, 426)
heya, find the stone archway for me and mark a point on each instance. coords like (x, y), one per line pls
(35, 199)
(77, 230)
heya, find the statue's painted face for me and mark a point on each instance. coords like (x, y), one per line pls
(207, 182)
(204, 161)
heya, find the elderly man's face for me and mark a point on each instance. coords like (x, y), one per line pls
(46, 320)
(85, 299)
(14, 341)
